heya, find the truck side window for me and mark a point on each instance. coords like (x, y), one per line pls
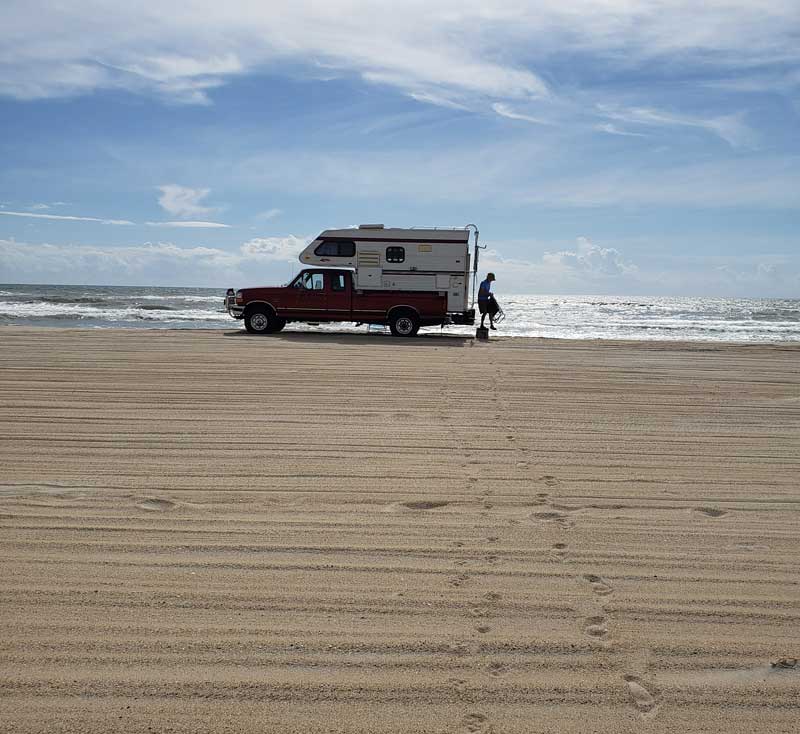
(316, 281)
(336, 248)
(395, 254)
(337, 282)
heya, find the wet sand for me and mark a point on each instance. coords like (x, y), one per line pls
(206, 531)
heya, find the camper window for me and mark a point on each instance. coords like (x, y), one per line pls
(336, 248)
(395, 254)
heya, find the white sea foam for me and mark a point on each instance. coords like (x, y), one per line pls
(560, 317)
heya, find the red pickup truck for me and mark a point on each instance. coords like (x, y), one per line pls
(327, 294)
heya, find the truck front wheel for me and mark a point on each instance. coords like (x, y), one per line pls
(404, 323)
(261, 320)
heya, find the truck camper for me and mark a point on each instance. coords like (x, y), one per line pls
(405, 278)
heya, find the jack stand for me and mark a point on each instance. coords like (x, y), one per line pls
(482, 333)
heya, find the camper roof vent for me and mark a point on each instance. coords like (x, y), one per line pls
(370, 226)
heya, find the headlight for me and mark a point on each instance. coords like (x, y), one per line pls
(239, 297)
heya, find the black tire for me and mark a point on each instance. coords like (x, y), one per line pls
(404, 323)
(262, 320)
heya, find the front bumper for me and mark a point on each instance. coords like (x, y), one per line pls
(232, 307)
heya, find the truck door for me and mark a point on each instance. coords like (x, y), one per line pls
(309, 296)
(340, 291)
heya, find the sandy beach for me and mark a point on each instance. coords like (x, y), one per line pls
(202, 531)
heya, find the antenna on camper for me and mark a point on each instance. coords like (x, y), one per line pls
(475, 261)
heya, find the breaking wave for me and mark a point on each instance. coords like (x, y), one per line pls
(562, 317)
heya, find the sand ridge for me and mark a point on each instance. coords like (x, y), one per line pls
(206, 531)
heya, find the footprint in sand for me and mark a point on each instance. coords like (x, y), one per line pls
(751, 547)
(457, 684)
(549, 480)
(492, 596)
(425, 505)
(559, 551)
(562, 519)
(596, 627)
(599, 586)
(483, 628)
(497, 669)
(479, 612)
(458, 580)
(156, 505)
(710, 511)
(476, 724)
(642, 698)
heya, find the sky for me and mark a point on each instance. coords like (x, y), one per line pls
(621, 147)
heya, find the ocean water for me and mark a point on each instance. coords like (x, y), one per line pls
(564, 317)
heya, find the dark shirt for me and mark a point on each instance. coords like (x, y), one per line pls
(485, 290)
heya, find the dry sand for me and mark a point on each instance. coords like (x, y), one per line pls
(204, 531)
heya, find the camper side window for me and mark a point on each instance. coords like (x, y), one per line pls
(336, 248)
(395, 254)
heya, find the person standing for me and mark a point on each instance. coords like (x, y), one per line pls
(486, 303)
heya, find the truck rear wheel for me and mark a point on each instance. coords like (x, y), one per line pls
(262, 320)
(404, 323)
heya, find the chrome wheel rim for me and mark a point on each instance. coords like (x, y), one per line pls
(404, 325)
(259, 321)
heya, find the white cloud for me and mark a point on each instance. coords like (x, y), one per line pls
(281, 249)
(65, 217)
(591, 260)
(258, 261)
(586, 268)
(614, 130)
(168, 68)
(437, 49)
(181, 201)
(728, 127)
(505, 111)
(439, 100)
(190, 224)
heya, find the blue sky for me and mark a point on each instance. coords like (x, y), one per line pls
(620, 147)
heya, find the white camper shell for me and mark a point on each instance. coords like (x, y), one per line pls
(425, 259)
